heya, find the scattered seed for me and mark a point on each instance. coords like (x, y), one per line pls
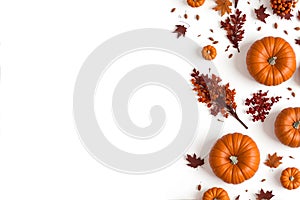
(230, 56)
(288, 98)
(199, 35)
(199, 187)
(211, 30)
(289, 89)
(197, 17)
(248, 2)
(293, 94)
(220, 120)
(263, 180)
(237, 198)
(291, 157)
(185, 16)
(173, 10)
(211, 39)
(259, 28)
(215, 42)
(285, 32)
(246, 190)
(227, 48)
(297, 28)
(275, 25)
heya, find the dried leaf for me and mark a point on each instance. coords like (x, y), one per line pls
(273, 161)
(223, 6)
(297, 41)
(194, 161)
(233, 26)
(260, 13)
(264, 195)
(180, 30)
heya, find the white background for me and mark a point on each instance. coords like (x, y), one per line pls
(43, 45)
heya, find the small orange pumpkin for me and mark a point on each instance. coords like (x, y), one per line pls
(271, 60)
(215, 193)
(290, 178)
(209, 52)
(287, 127)
(234, 158)
(195, 3)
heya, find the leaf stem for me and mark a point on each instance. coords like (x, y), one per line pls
(233, 113)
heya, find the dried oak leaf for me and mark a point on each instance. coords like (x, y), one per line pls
(273, 161)
(223, 6)
(260, 13)
(234, 28)
(297, 41)
(194, 161)
(180, 30)
(264, 195)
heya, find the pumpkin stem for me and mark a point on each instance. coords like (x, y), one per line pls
(234, 160)
(291, 178)
(296, 125)
(272, 60)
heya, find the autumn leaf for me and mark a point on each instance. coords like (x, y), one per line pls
(273, 161)
(223, 6)
(260, 13)
(287, 16)
(264, 195)
(234, 28)
(180, 30)
(297, 41)
(194, 161)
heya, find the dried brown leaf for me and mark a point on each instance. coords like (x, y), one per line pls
(223, 6)
(273, 161)
(194, 161)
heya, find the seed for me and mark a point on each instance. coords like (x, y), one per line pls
(230, 56)
(185, 16)
(293, 94)
(215, 42)
(197, 17)
(289, 89)
(211, 39)
(199, 187)
(173, 10)
(211, 30)
(259, 28)
(263, 180)
(285, 32)
(297, 28)
(275, 25)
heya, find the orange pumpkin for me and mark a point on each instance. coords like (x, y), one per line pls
(215, 193)
(195, 3)
(290, 178)
(209, 52)
(271, 60)
(234, 158)
(287, 127)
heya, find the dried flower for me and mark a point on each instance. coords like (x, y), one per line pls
(219, 98)
(260, 105)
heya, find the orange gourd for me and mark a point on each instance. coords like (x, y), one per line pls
(271, 60)
(209, 52)
(195, 3)
(215, 193)
(290, 178)
(234, 158)
(287, 127)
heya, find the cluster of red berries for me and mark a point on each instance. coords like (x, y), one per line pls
(283, 8)
(260, 105)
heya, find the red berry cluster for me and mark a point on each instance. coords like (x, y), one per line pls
(260, 105)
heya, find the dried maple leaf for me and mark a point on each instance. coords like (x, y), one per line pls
(194, 161)
(223, 6)
(180, 30)
(297, 41)
(260, 13)
(233, 26)
(273, 161)
(264, 195)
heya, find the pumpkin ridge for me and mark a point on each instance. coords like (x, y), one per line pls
(264, 42)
